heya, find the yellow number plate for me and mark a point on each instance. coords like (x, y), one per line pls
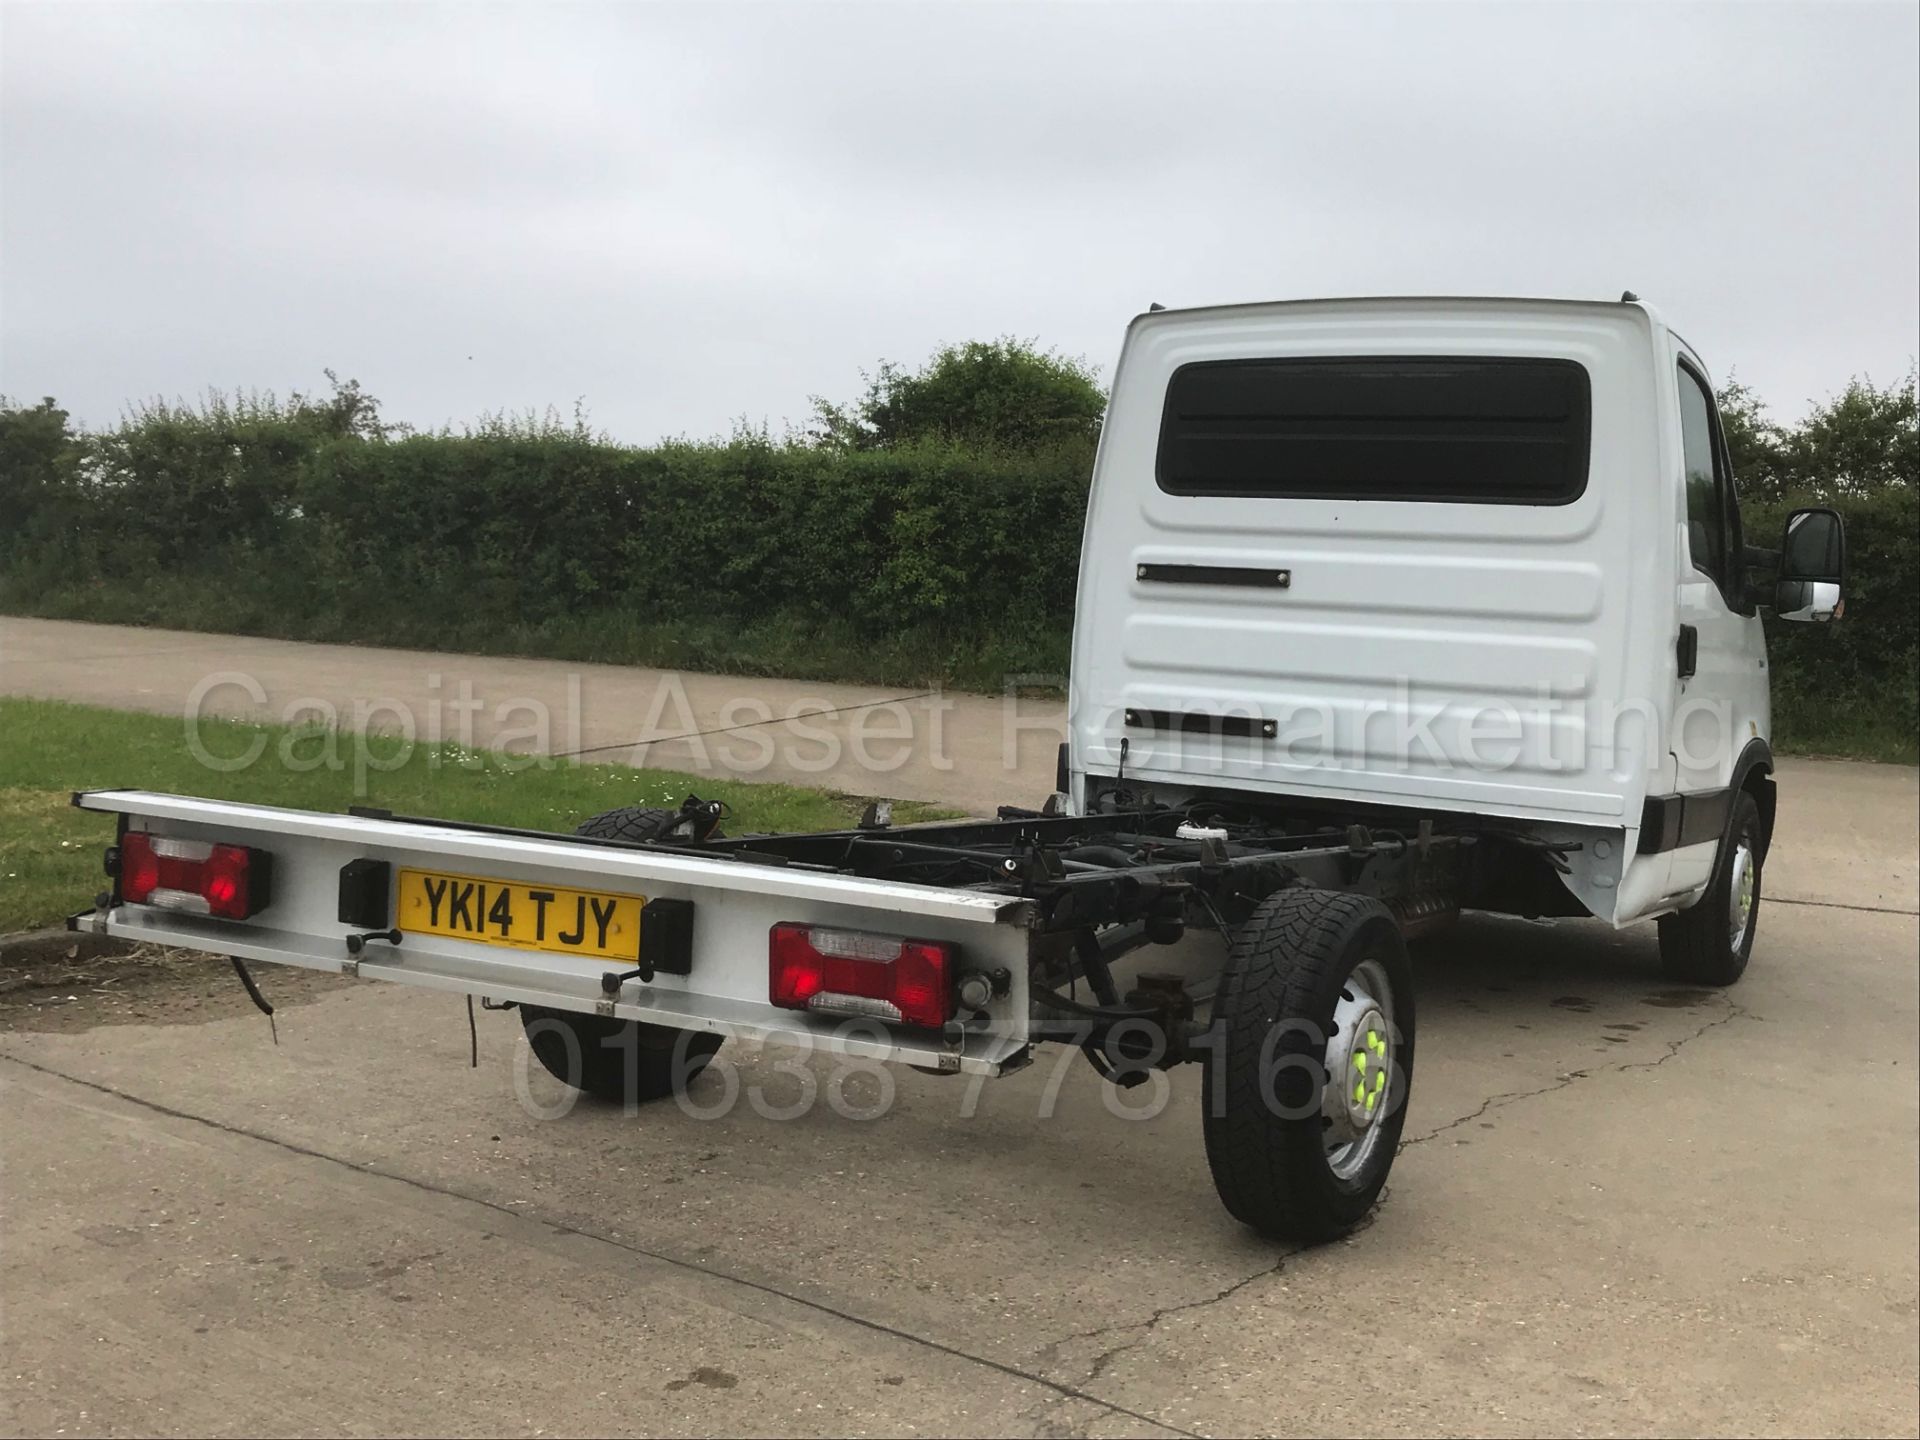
(526, 917)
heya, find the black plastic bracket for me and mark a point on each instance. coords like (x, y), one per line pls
(666, 945)
(366, 894)
(666, 937)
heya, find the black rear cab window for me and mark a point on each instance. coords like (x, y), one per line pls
(1471, 430)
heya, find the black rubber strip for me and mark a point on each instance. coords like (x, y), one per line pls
(1194, 722)
(1255, 577)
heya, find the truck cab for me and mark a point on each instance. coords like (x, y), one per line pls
(1462, 556)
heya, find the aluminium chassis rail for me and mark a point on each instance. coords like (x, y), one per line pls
(1039, 901)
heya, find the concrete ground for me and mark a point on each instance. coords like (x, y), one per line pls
(1622, 1207)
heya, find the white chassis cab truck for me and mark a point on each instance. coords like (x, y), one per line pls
(1387, 608)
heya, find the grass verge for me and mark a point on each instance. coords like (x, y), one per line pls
(50, 852)
(1841, 730)
(789, 646)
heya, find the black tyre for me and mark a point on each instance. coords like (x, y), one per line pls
(618, 1060)
(631, 823)
(1710, 941)
(1316, 999)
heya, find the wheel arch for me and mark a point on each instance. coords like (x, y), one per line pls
(1753, 772)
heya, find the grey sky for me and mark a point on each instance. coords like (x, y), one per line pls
(683, 215)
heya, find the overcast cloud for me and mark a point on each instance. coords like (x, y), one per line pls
(685, 215)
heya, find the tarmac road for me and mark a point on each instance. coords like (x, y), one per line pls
(1622, 1207)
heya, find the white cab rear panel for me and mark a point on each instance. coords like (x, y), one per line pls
(1445, 654)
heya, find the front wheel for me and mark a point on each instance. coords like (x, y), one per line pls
(1710, 942)
(1311, 1063)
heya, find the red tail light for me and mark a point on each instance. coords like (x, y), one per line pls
(197, 876)
(849, 972)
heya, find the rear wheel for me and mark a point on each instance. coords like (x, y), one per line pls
(1710, 941)
(1311, 1065)
(619, 1060)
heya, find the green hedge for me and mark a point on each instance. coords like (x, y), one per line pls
(258, 521)
(918, 564)
(1860, 675)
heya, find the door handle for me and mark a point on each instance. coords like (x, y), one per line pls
(1687, 652)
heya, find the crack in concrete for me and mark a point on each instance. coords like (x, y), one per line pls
(1842, 905)
(1674, 1047)
(1051, 1351)
(1105, 1359)
(1495, 1102)
(1060, 1389)
(1573, 1077)
(1152, 1322)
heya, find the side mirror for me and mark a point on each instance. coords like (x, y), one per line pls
(1813, 567)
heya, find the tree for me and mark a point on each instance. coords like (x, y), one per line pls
(348, 413)
(31, 437)
(1754, 442)
(1860, 442)
(1004, 394)
(36, 453)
